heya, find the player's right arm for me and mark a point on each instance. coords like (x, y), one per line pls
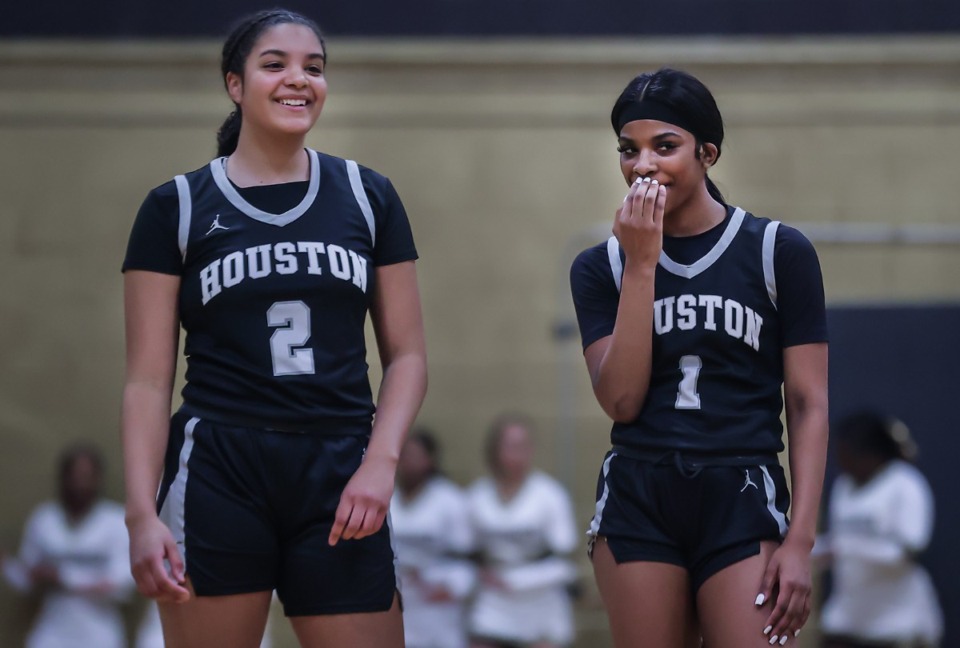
(152, 333)
(619, 364)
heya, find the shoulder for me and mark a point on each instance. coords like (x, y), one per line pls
(447, 491)
(547, 484)
(792, 240)
(480, 489)
(592, 265)
(906, 476)
(111, 509)
(45, 514)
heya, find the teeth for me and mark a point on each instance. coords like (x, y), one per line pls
(293, 102)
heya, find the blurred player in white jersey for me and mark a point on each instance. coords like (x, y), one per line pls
(75, 553)
(432, 537)
(881, 518)
(525, 530)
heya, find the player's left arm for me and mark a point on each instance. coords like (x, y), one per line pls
(805, 399)
(398, 324)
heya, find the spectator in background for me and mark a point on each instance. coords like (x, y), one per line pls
(75, 555)
(880, 519)
(432, 536)
(525, 530)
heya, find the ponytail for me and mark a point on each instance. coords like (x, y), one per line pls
(229, 133)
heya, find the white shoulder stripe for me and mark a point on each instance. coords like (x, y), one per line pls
(769, 276)
(616, 265)
(186, 207)
(357, 185)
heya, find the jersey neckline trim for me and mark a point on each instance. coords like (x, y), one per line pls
(707, 260)
(218, 169)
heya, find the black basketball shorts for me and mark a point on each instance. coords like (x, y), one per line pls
(700, 517)
(251, 510)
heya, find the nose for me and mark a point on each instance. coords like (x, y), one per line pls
(645, 165)
(297, 78)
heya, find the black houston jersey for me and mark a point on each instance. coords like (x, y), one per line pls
(717, 365)
(274, 305)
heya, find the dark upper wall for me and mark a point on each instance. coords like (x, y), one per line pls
(183, 18)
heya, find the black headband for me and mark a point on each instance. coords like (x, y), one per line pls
(649, 109)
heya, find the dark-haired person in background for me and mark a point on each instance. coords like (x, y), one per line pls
(75, 554)
(275, 475)
(693, 316)
(880, 518)
(433, 537)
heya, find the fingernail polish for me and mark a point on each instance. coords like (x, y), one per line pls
(783, 639)
(773, 639)
(654, 182)
(796, 632)
(646, 179)
(760, 599)
(767, 629)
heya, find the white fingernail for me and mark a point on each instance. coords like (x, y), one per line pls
(767, 629)
(646, 179)
(783, 639)
(760, 599)
(796, 633)
(773, 639)
(654, 182)
(638, 180)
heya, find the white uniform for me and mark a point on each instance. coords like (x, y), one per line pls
(879, 591)
(432, 535)
(522, 541)
(94, 553)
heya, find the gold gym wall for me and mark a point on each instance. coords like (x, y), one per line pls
(503, 154)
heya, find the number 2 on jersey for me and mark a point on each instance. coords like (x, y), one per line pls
(292, 321)
(687, 395)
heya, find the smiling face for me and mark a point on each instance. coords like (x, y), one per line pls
(668, 154)
(283, 87)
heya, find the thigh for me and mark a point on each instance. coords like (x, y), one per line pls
(649, 604)
(367, 629)
(726, 606)
(236, 620)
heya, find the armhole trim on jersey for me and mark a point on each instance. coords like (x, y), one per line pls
(769, 275)
(616, 265)
(186, 207)
(353, 171)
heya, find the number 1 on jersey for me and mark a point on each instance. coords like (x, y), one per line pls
(292, 321)
(687, 395)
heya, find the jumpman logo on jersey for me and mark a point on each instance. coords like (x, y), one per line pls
(749, 482)
(216, 225)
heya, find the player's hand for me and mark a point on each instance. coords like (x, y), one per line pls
(365, 500)
(787, 574)
(45, 576)
(638, 225)
(150, 544)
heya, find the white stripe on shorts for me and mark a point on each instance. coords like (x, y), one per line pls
(598, 515)
(172, 511)
(771, 490)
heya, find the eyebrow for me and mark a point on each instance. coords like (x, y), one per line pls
(277, 52)
(660, 136)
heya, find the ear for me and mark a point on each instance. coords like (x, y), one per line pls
(234, 86)
(709, 154)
